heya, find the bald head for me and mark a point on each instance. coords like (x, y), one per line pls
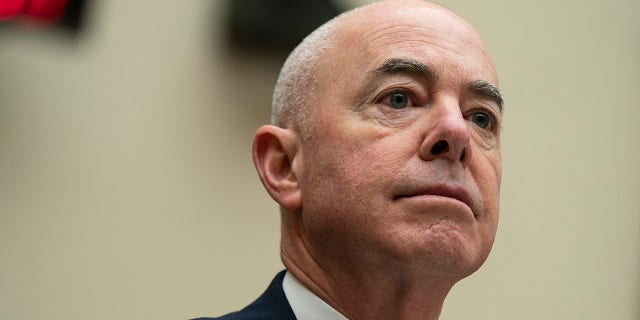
(302, 75)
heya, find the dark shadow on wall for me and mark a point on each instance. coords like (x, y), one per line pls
(275, 25)
(257, 36)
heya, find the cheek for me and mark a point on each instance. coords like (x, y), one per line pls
(487, 174)
(358, 175)
(371, 168)
(362, 154)
(487, 168)
(350, 181)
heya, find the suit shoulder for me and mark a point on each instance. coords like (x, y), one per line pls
(271, 305)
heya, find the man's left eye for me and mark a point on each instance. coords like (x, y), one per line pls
(481, 119)
(398, 100)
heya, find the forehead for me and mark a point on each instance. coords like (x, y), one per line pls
(426, 33)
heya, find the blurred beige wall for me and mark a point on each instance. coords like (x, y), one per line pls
(127, 189)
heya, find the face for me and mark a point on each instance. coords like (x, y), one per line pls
(402, 166)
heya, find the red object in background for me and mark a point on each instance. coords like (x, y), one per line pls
(11, 8)
(49, 10)
(44, 10)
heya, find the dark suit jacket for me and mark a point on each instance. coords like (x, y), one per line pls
(271, 305)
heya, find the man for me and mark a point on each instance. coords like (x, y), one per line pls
(384, 156)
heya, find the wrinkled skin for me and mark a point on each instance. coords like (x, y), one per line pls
(385, 214)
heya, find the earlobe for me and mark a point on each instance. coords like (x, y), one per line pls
(274, 152)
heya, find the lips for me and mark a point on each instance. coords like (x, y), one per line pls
(448, 191)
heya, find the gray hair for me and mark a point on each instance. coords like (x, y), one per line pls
(296, 84)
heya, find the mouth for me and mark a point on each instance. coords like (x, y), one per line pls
(455, 193)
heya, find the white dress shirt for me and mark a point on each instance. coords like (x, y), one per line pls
(305, 304)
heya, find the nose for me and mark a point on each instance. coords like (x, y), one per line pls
(448, 138)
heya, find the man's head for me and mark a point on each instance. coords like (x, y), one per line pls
(386, 153)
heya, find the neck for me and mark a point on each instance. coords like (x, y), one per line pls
(376, 291)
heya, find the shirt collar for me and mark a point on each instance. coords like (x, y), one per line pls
(305, 304)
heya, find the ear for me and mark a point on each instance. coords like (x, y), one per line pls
(274, 152)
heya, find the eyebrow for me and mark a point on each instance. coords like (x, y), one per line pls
(480, 88)
(407, 66)
(486, 90)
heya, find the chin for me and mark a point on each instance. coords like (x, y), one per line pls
(448, 251)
